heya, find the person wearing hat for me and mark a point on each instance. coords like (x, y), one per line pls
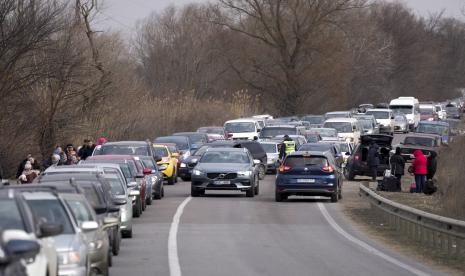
(288, 146)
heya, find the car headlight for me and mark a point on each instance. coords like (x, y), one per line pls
(197, 172)
(183, 165)
(95, 245)
(69, 257)
(244, 173)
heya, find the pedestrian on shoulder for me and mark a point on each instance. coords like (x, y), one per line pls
(420, 170)
(28, 175)
(373, 159)
(35, 165)
(397, 162)
(432, 165)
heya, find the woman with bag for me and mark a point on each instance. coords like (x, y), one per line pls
(397, 167)
(419, 166)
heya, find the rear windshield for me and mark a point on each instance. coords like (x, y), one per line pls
(211, 130)
(51, 211)
(240, 127)
(276, 131)
(301, 161)
(341, 127)
(420, 141)
(127, 166)
(121, 150)
(116, 183)
(379, 115)
(270, 148)
(91, 195)
(160, 151)
(180, 141)
(10, 215)
(337, 115)
(325, 132)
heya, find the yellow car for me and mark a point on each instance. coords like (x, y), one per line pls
(169, 160)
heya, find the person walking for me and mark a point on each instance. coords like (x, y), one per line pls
(288, 146)
(397, 167)
(432, 165)
(86, 150)
(373, 160)
(420, 170)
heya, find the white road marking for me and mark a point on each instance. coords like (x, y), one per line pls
(173, 258)
(366, 246)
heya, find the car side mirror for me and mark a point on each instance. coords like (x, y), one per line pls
(147, 171)
(101, 209)
(21, 248)
(87, 226)
(392, 118)
(50, 229)
(119, 201)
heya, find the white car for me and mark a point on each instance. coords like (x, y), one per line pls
(348, 129)
(410, 107)
(384, 118)
(441, 111)
(242, 129)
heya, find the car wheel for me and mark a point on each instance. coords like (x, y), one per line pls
(340, 193)
(127, 234)
(261, 172)
(163, 191)
(257, 187)
(137, 210)
(159, 195)
(279, 197)
(116, 246)
(110, 258)
(194, 192)
(148, 201)
(250, 192)
(335, 196)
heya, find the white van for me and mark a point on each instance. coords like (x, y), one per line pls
(410, 107)
(348, 129)
(242, 129)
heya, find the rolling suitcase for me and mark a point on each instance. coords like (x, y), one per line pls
(391, 184)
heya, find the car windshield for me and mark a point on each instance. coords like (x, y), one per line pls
(160, 151)
(379, 115)
(276, 131)
(404, 109)
(399, 119)
(341, 127)
(180, 141)
(315, 147)
(419, 141)
(315, 120)
(270, 148)
(325, 132)
(10, 215)
(337, 115)
(426, 110)
(51, 211)
(121, 150)
(211, 130)
(116, 183)
(80, 210)
(91, 195)
(366, 124)
(302, 161)
(432, 129)
(225, 157)
(201, 150)
(240, 127)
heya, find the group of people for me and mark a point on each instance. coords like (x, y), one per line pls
(30, 168)
(423, 168)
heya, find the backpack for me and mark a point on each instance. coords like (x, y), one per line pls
(429, 187)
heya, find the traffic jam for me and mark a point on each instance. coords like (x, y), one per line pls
(74, 219)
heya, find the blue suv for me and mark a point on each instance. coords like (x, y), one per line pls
(309, 174)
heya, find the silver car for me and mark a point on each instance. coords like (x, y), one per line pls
(401, 123)
(71, 244)
(272, 154)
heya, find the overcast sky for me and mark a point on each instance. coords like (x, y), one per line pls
(122, 15)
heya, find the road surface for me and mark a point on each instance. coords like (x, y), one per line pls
(229, 234)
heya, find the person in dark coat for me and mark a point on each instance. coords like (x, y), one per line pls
(34, 163)
(432, 165)
(86, 150)
(373, 159)
(397, 166)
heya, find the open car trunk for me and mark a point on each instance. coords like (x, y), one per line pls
(384, 143)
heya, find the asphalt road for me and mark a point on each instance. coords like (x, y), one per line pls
(229, 234)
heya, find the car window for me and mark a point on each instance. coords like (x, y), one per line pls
(201, 150)
(160, 151)
(225, 157)
(80, 210)
(421, 141)
(302, 161)
(51, 211)
(240, 127)
(92, 195)
(315, 147)
(254, 148)
(10, 216)
(121, 150)
(149, 164)
(270, 148)
(116, 183)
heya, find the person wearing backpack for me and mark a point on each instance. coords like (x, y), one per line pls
(397, 167)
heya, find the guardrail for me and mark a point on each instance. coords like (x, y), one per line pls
(433, 231)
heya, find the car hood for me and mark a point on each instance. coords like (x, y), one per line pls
(221, 167)
(380, 139)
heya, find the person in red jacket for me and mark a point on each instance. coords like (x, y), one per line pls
(420, 169)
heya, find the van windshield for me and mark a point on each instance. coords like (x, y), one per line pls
(341, 127)
(404, 109)
(241, 127)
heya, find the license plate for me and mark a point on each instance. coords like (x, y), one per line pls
(222, 182)
(305, 180)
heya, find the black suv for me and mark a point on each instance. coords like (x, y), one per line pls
(357, 162)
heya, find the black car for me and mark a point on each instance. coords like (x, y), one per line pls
(226, 169)
(357, 162)
(196, 139)
(188, 164)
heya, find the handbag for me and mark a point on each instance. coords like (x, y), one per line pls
(413, 187)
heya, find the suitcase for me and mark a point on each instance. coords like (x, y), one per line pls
(390, 184)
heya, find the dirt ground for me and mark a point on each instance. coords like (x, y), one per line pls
(361, 214)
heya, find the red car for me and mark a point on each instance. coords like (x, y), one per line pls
(133, 173)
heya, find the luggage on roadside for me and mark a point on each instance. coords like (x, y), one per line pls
(429, 187)
(389, 184)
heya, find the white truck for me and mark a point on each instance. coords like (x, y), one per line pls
(410, 107)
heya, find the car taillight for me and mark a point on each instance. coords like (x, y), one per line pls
(328, 169)
(284, 168)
